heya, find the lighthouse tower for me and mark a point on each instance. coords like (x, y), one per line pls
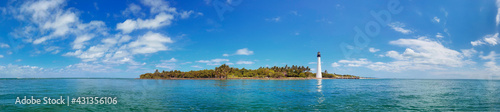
(318, 73)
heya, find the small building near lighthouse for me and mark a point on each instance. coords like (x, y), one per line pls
(318, 72)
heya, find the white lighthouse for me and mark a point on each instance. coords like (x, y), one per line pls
(318, 73)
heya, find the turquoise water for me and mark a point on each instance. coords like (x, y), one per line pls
(258, 95)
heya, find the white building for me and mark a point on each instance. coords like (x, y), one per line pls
(318, 73)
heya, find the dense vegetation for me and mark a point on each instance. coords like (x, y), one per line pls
(224, 72)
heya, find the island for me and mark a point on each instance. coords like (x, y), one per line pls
(226, 72)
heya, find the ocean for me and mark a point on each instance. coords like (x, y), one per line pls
(254, 95)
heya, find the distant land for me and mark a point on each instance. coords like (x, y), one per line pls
(226, 72)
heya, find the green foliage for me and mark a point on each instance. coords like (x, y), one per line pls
(224, 71)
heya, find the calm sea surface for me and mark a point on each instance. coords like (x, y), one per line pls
(258, 95)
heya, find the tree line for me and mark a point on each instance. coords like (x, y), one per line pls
(224, 72)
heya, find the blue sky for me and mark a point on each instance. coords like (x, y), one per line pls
(385, 39)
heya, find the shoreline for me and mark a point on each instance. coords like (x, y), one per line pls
(251, 78)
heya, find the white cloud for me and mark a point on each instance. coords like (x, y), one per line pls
(170, 60)
(134, 10)
(244, 51)
(476, 43)
(468, 52)
(150, 43)
(335, 64)
(80, 41)
(491, 65)
(47, 20)
(113, 50)
(3, 45)
(498, 13)
(488, 39)
(373, 50)
(158, 6)
(439, 35)
(426, 51)
(420, 54)
(436, 19)
(186, 14)
(398, 26)
(275, 19)
(14, 71)
(160, 20)
(245, 62)
(1, 56)
(91, 54)
(214, 61)
(196, 66)
(168, 64)
(355, 62)
(53, 49)
(60, 25)
(41, 9)
(90, 67)
(19, 60)
(498, 17)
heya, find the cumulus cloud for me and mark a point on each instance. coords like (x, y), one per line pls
(488, 39)
(80, 41)
(158, 6)
(439, 35)
(47, 20)
(335, 64)
(3, 45)
(244, 51)
(53, 49)
(214, 61)
(373, 50)
(436, 19)
(245, 62)
(186, 14)
(355, 62)
(160, 20)
(491, 64)
(133, 9)
(150, 43)
(420, 54)
(468, 52)
(14, 71)
(115, 50)
(399, 27)
(90, 67)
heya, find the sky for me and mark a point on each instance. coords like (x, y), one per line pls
(423, 39)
